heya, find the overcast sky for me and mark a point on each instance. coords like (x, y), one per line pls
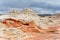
(49, 6)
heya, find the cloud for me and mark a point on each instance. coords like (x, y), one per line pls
(42, 10)
(38, 5)
(16, 3)
(52, 2)
(5, 5)
(47, 4)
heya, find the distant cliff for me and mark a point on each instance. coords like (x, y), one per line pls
(43, 15)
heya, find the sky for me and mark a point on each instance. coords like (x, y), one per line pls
(40, 6)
